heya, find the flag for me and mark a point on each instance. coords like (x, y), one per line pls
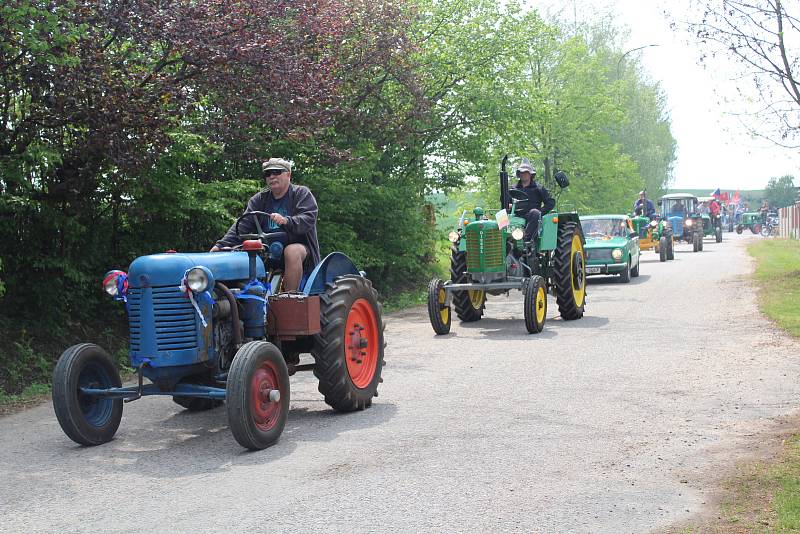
(736, 197)
(502, 219)
(715, 193)
(725, 197)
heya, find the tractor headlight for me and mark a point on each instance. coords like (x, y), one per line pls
(653, 224)
(689, 222)
(197, 279)
(517, 234)
(616, 254)
(111, 282)
(453, 236)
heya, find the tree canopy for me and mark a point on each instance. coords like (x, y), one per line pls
(134, 127)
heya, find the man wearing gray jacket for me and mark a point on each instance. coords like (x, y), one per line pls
(293, 209)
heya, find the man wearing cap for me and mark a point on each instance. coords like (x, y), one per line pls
(293, 209)
(541, 203)
(644, 206)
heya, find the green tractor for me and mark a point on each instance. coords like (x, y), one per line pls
(654, 234)
(751, 220)
(488, 256)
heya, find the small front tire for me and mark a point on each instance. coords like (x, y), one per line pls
(535, 303)
(86, 419)
(662, 249)
(257, 395)
(625, 275)
(438, 312)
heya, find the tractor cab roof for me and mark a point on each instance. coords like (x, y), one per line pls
(676, 196)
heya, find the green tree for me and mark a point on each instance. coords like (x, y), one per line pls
(781, 192)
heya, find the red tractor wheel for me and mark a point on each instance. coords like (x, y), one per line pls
(257, 395)
(756, 228)
(349, 349)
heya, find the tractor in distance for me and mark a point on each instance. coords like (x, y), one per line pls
(654, 234)
(685, 219)
(489, 257)
(207, 328)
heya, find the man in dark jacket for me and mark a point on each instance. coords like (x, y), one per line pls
(293, 209)
(540, 201)
(644, 206)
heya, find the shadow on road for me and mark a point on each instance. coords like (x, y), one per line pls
(191, 443)
(614, 279)
(513, 328)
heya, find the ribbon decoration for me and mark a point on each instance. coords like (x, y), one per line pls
(243, 293)
(205, 297)
(121, 281)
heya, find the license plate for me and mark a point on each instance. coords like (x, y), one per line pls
(592, 270)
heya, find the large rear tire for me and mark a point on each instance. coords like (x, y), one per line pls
(695, 243)
(535, 304)
(569, 272)
(718, 234)
(349, 349)
(438, 313)
(662, 249)
(700, 241)
(469, 305)
(257, 395)
(86, 419)
(671, 250)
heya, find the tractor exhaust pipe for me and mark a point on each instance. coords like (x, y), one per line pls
(504, 198)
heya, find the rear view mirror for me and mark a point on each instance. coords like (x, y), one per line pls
(561, 179)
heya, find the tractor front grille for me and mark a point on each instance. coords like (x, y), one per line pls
(598, 254)
(485, 249)
(171, 318)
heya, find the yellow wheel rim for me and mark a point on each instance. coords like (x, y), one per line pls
(476, 297)
(578, 278)
(444, 312)
(541, 304)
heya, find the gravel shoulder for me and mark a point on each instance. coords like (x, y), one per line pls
(620, 422)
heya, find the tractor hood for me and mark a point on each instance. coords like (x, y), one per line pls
(601, 242)
(169, 268)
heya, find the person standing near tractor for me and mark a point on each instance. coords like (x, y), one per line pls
(644, 206)
(540, 201)
(291, 208)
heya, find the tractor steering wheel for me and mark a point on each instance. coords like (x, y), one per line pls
(518, 194)
(522, 203)
(260, 235)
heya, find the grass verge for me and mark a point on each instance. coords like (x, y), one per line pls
(778, 276)
(765, 496)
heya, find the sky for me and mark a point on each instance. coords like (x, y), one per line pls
(714, 150)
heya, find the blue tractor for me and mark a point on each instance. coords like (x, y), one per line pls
(208, 327)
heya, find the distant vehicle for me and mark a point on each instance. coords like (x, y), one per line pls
(612, 246)
(688, 224)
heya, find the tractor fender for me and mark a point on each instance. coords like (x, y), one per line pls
(334, 265)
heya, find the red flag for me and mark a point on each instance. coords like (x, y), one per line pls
(725, 197)
(736, 197)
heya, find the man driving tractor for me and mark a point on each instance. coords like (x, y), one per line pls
(644, 206)
(292, 209)
(540, 201)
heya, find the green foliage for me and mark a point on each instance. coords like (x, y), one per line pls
(781, 192)
(131, 131)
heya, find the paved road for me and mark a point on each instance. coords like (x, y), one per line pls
(609, 424)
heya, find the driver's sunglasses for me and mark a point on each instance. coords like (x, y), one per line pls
(273, 172)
